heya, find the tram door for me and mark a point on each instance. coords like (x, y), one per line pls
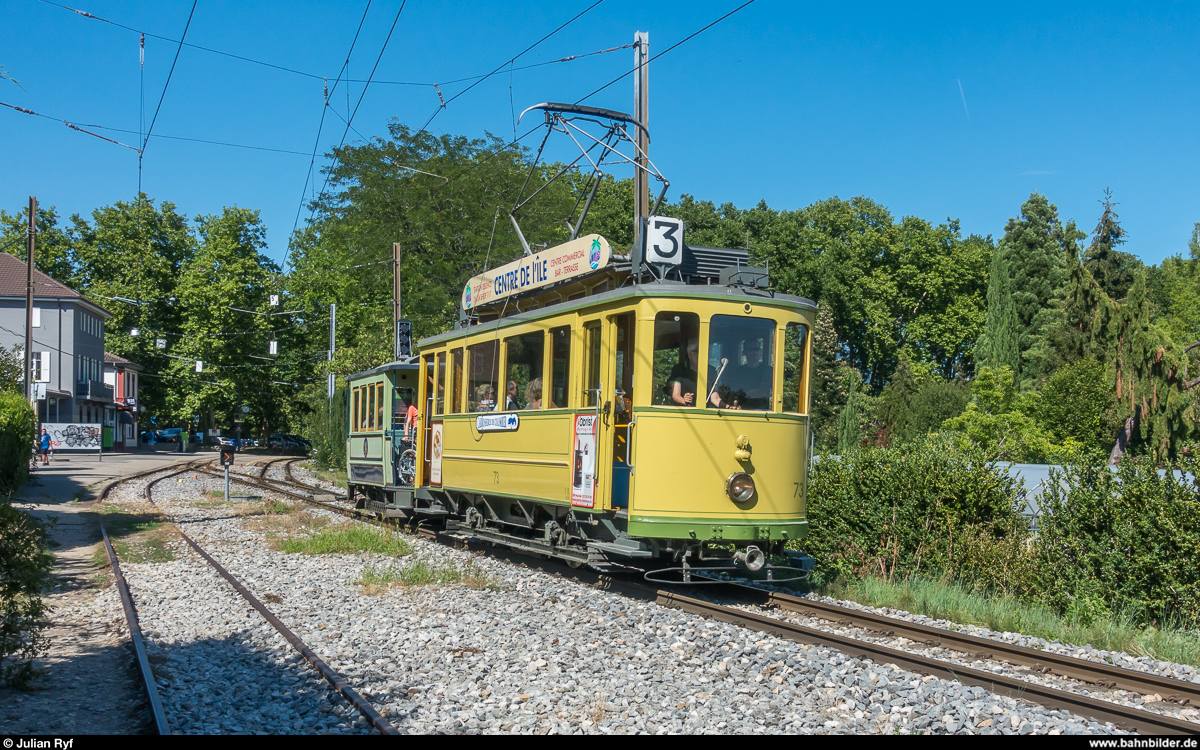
(426, 417)
(608, 388)
(622, 327)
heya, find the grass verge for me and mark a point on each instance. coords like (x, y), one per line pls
(138, 537)
(333, 476)
(347, 539)
(948, 601)
(376, 579)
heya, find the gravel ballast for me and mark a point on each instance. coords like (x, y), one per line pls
(528, 653)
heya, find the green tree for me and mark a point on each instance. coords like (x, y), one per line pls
(997, 345)
(53, 251)
(450, 218)
(831, 381)
(850, 420)
(1112, 269)
(1077, 404)
(227, 271)
(136, 251)
(998, 420)
(1035, 248)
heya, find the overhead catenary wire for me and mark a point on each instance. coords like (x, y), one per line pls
(361, 96)
(72, 126)
(321, 127)
(161, 98)
(80, 127)
(507, 62)
(317, 76)
(687, 38)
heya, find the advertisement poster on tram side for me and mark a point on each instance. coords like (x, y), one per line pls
(583, 462)
(435, 462)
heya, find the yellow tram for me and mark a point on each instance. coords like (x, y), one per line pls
(585, 410)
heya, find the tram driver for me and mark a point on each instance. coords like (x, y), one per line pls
(682, 381)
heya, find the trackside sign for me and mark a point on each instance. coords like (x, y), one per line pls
(550, 266)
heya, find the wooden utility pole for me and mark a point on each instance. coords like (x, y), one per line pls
(641, 159)
(396, 315)
(29, 299)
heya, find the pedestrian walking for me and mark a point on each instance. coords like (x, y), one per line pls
(45, 447)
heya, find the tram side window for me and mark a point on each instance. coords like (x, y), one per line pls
(795, 346)
(379, 423)
(591, 364)
(674, 365)
(456, 369)
(354, 411)
(369, 417)
(439, 407)
(741, 358)
(560, 367)
(523, 389)
(484, 364)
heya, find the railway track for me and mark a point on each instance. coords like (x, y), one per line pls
(339, 683)
(1089, 673)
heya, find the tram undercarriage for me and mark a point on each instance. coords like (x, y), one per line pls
(593, 539)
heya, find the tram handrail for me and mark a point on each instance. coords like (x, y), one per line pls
(716, 381)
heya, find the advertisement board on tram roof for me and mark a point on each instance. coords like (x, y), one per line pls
(550, 266)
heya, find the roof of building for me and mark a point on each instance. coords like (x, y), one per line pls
(113, 359)
(12, 283)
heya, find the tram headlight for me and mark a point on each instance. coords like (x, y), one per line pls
(739, 487)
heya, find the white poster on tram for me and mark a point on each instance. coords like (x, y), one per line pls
(435, 463)
(583, 462)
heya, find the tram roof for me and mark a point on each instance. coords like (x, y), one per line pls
(408, 363)
(652, 289)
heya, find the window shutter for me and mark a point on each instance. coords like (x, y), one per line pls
(37, 317)
(44, 370)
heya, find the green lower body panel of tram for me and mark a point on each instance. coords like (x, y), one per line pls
(715, 530)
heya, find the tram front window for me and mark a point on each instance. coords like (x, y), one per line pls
(741, 354)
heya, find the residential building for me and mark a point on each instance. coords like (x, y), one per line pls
(68, 344)
(122, 417)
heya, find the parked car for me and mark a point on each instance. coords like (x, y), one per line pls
(169, 435)
(283, 442)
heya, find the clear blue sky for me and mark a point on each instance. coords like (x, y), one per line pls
(785, 102)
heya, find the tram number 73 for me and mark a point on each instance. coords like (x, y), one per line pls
(664, 240)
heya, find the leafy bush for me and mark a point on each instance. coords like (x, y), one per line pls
(1126, 539)
(907, 509)
(18, 426)
(329, 420)
(998, 420)
(24, 570)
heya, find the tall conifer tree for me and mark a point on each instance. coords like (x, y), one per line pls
(1112, 269)
(830, 381)
(997, 346)
(1036, 247)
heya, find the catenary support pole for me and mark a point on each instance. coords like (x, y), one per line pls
(32, 241)
(396, 315)
(332, 340)
(641, 170)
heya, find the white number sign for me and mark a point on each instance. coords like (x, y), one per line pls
(664, 240)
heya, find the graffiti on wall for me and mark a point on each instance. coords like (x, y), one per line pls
(73, 436)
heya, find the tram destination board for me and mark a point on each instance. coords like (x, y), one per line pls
(551, 266)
